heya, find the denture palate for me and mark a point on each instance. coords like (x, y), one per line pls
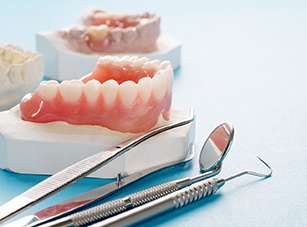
(114, 33)
(126, 94)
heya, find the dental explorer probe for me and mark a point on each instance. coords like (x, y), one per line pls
(174, 200)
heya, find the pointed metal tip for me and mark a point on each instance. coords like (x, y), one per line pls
(267, 165)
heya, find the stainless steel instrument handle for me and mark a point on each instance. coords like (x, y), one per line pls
(77, 171)
(164, 204)
(114, 207)
(175, 200)
(63, 208)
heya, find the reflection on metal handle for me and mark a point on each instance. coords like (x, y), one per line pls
(120, 205)
(97, 213)
(167, 203)
(114, 207)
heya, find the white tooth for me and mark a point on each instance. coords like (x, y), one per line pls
(71, 91)
(3, 76)
(44, 82)
(159, 85)
(114, 58)
(137, 63)
(29, 53)
(125, 57)
(126, 62)
(169, 73)
(18, 58)
(33, 69)
(144, 59)
(8, 54)
(14, 74)
(77, 82)
(47, 90)
(165, 64)
(2, 49)
(29, 70)
(16, 48)
(133, 58)
(105, 59)
(98, 32)
(109, 91)
(148, 65)
(128, 92)
(117, 62)
(145, 88)
(53, 82)
(92, 90)
(155, 62)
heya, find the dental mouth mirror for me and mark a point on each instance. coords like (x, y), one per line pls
(216, 147)
(212, 154)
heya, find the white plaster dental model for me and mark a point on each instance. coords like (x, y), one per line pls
(73, 52)
(20, 72)
(62, 123)
(36, 148)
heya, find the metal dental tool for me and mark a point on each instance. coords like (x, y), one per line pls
(88, 198)
(174, 200)
(212, 154)
(79, 170)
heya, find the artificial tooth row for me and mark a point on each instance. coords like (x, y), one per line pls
(71, 91)
(134, 62)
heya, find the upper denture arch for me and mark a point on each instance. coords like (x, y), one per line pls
(102, 32)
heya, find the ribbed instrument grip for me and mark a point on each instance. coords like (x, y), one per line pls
(195, 192)
(117, 206)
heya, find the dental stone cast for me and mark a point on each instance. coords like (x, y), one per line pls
(51, 147)
(126, 94)
(101, 31)
(20, 72)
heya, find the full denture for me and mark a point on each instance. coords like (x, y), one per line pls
(126, 94)
(113, 33)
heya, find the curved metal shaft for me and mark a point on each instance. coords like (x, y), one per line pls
(248, 172)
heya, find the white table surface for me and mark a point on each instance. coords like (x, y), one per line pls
(244, 62)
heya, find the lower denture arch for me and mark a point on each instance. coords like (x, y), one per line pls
(126, 94)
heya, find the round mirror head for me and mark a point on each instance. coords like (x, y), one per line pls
(216, 147)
